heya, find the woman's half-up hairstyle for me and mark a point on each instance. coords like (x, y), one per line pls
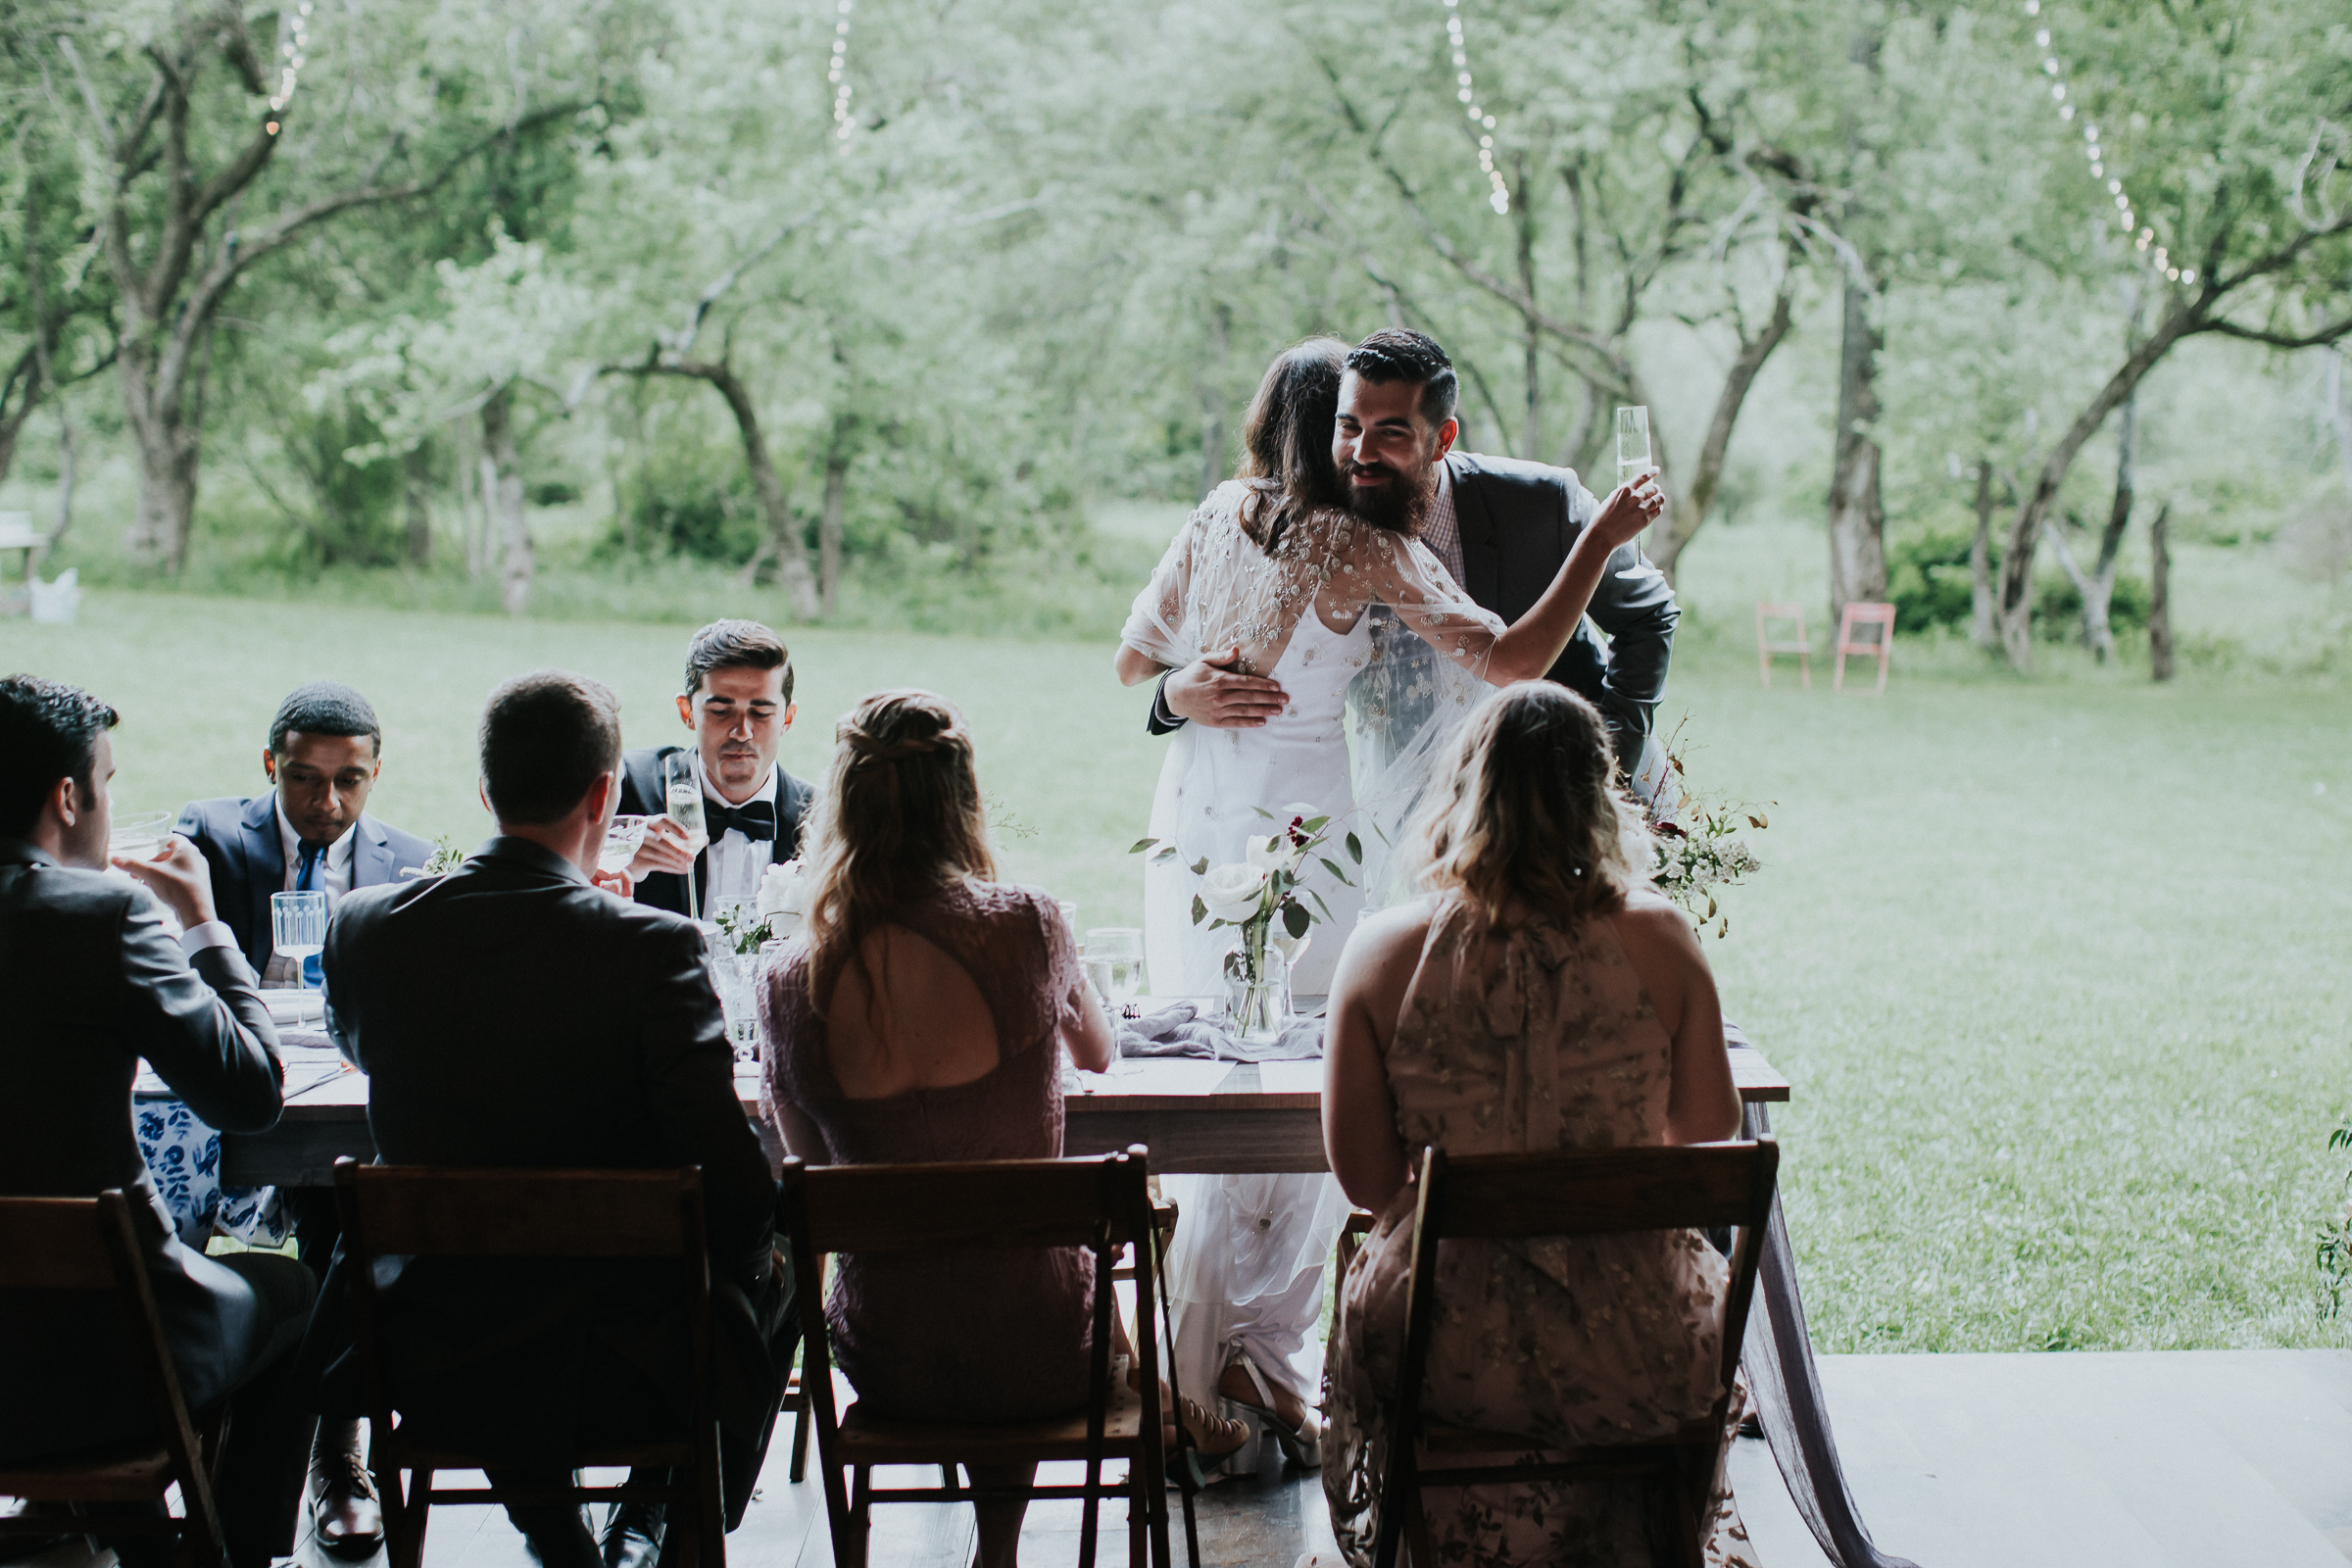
(1532, 808)
(1286, 438)
(899, 817)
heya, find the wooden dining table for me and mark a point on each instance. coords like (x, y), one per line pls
(1214, 1117)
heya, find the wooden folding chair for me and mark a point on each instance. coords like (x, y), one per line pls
(422, 1211)
(1098, 1203)
(88, 1244)
(1801, 646)
(1859, 614)
(1572, 1193)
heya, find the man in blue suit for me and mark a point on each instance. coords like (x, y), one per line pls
(311, 832)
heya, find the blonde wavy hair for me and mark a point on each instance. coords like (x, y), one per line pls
(899, 817)
(1534, 810)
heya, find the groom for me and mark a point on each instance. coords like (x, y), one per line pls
(1502, 525)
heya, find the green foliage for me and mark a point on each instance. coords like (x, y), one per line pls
(1928, 579)
(2058, 607)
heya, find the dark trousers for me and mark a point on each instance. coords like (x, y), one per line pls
(266, 1443)
(750, 1364)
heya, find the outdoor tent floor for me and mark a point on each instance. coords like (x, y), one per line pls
(2203, 1458)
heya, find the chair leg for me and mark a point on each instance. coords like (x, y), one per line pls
(800, 1439)
(405, 1518)
(851, 1552)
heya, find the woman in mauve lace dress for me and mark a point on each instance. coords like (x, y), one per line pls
(921, 1020)
(1542, 996)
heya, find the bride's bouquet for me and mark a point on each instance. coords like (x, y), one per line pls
(1261, 897)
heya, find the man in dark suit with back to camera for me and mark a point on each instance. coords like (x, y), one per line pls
(513, 1013)
(738, 703)
(311, 831)
(95, 983)
(1502, 525)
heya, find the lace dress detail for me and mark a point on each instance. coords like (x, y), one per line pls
(1541, 1039)
(983, 1337)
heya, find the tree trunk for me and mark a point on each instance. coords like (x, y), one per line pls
(416, 475)
(1857, 519)
(2340, 411)
(1983, 630)
(791, 552)
(502, 488)
(13, 418)
(2098, 632)
(828, 521)
(1686, 515)
(2160, 594)
(68, 450)
(1212, 403)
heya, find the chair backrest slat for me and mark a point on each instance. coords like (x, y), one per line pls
(440, 1212)
(53, 1243)
(1588, 1193)
(997, 1205)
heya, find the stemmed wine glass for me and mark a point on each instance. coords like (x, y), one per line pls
(298, 931)
(1114, 962)
(1632, 464)
(682, 790)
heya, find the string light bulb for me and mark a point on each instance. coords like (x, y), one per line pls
(838, 73)
(293, 46)
(1499, 195)
(2125, 218)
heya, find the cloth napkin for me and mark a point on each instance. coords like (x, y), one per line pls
(1180, 1031)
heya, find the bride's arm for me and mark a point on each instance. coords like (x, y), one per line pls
(1426, 599)
(1134, 666)
(1147, 643)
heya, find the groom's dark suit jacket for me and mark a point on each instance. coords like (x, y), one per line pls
(1518, 521)
(239, 840)
(513, 1014)
(94, 984)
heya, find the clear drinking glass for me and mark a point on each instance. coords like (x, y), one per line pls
(623, 840)
(1114, 964)
(137, 833)
(298, 931)
(682, 793)
(1633, 462)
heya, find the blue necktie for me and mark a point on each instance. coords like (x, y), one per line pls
(306, 880)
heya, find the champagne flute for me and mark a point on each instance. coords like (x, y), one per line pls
(298, 931)
(1632, 464)
(682, 791)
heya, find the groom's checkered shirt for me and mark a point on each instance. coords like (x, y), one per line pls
(1442, 532)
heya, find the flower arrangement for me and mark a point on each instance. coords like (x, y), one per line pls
(1693, 860)
(1261, 895)
(778, 914)
(445, 859)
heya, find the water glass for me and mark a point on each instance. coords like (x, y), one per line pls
(135, 834)
(298, 930)
(1114, 964)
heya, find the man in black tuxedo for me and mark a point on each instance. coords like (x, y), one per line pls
(94, 983)
(513, 1013)
(738, 703)
(1502, 525)
(311, 831)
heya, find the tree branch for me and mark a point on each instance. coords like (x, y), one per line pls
(2334, 331)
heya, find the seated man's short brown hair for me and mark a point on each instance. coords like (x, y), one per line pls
(545, 737)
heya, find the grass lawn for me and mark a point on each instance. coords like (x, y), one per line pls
(2061, 970)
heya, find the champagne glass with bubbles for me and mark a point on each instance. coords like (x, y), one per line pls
(1632, 464)
(682, 791)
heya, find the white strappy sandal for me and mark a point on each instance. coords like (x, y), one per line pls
(1302, 1444)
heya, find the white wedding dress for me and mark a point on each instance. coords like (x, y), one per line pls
(1373, 696)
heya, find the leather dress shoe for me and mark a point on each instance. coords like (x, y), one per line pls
(346, 1515)
(633, 1535)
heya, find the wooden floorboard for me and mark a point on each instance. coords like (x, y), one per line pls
(2179, 1459)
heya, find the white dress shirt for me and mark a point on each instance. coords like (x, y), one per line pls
(333, 879)
(735, 865)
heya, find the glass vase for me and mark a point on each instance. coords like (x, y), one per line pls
(1257, 992)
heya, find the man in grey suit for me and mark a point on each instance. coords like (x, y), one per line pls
(513, 1013)
(311, 831)
(95, 983)
(1502, 525)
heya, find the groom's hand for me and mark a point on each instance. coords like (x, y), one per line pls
(1212, 691)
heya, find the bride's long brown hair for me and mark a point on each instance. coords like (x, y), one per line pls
(899, 817)
(1286, 439)
(1532, 808)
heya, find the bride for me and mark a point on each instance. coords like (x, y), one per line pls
(1381, 654)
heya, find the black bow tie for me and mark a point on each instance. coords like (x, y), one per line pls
(754, 819)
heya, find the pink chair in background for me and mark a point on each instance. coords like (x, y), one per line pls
(1858, 615)
(1802, 647)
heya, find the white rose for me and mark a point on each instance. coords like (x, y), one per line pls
(1233, 891)
(1275, 852)
(782, 891)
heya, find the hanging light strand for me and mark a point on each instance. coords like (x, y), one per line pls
(293, 45)
(1499, 197)
(2125, 218)
(838, 73)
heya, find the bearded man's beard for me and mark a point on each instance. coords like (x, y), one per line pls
(1401, 505)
